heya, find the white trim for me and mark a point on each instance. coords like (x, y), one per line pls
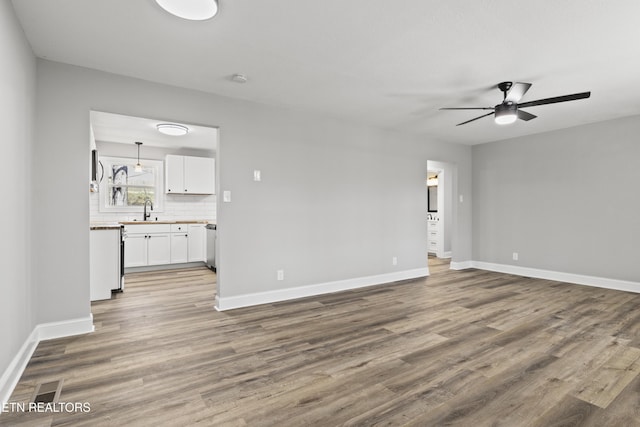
(41, 332)
(12, 374)
(446, 254)
(66, 328)
(460, 265)
(258, 298)
(578, 279)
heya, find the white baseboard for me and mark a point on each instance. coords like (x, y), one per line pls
(12, 374)
(578, 279)
(258, 298)
(460, 265)
(447, 254)
(42, 332)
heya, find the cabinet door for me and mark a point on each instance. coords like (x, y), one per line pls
(135, 250)
(179, 247)
(158, 249)
(199, 175)
(196, 242)
(174, 174)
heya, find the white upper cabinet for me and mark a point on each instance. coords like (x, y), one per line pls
(189, 175)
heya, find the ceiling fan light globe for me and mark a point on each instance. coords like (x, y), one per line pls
(506, 113)
(506, 119)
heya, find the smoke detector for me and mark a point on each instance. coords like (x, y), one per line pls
(239, 78)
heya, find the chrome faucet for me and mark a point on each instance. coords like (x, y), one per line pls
(147, 214)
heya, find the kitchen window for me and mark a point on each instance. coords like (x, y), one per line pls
(123, 189)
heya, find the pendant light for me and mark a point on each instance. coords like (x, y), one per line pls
(138, 167)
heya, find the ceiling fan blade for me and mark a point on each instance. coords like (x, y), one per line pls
(467, 108)
(468, 121)
(555, 99)
(523, 115)
(517, 91)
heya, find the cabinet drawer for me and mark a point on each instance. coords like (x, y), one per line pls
(179, 228)
(432, 234)
(433, 245)
(147, 228)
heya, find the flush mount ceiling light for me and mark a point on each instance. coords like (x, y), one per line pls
(172, 129)
(138, 167)
(193, 10)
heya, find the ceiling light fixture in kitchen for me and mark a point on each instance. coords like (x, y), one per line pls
(138, 167)
(193, 10)
(172, 129)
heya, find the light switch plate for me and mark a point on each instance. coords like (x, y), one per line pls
(226, 196)
(256, 175)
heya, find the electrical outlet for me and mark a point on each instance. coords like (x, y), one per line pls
(394, 260)
(280, 274)
(226, 196)
(256, 175)
(515, 256)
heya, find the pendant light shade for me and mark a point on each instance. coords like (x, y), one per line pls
(138, 167)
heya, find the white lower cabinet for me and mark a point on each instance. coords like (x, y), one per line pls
(197, 242)
(179, 243)
(158, 249)
(432, 238)
(135, 250)
(147, 244)
(157, 244)
(104, 262)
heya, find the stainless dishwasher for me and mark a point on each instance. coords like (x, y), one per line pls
(211, 246)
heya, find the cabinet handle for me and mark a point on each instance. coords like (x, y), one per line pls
(185, 190)
(186, 235)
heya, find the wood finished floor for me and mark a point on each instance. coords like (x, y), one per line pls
(470, 348)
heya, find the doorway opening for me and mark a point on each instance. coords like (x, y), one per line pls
(155, 191)
(441, 190)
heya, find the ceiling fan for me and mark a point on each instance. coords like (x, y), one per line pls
(509, 110)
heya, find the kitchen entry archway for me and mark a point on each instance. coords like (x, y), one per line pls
(172, 233)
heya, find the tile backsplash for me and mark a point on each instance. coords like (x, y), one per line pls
(176, 207)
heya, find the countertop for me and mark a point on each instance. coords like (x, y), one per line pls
(116, 225)
(104, 226)
(182, 221)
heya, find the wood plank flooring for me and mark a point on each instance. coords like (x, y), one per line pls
(468, 348)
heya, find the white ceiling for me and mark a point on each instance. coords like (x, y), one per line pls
(123, 129)
(389, 64)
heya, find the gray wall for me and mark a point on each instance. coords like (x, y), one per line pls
(337, 200)
(17, 101)
(566, 201)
